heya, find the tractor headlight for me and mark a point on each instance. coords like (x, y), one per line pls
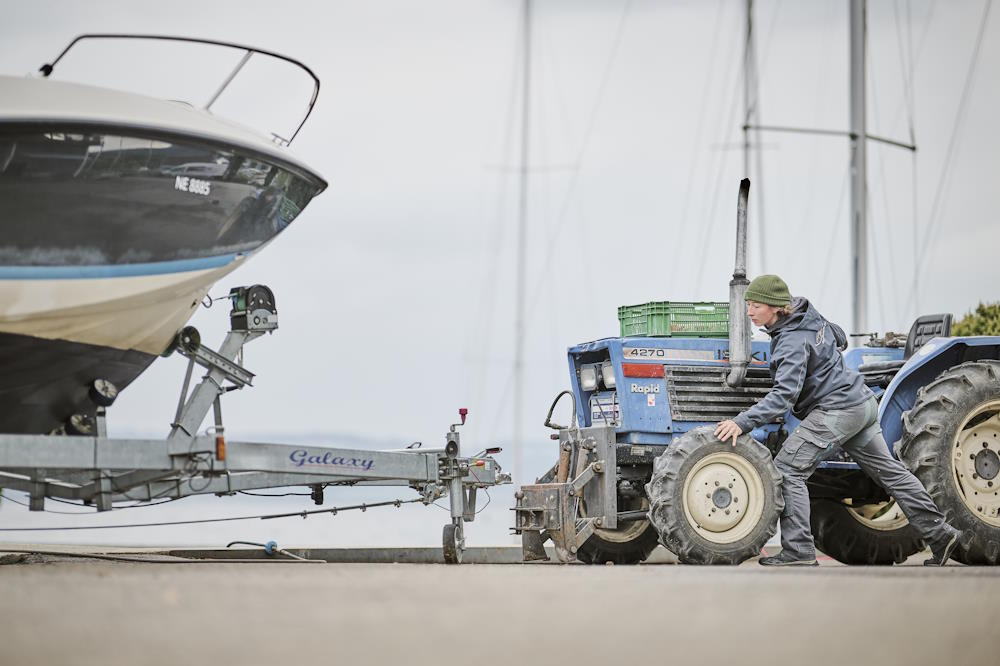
(608, 374)
(588, 378)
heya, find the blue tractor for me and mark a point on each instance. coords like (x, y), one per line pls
(639, 465)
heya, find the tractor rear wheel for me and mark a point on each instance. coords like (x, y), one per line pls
(951, 442)
(630, 543)
(865, 534)
(712, 502)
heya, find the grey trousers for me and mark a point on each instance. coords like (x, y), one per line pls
(857, 431)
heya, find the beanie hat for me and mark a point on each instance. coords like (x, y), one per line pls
(768, 289)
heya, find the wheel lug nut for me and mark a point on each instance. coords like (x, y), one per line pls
(716, 483)
(727, 512)
(736, 499)
(730, 485)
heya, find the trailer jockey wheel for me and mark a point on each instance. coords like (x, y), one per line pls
(951, 442)
(712, 502)
(453, 543)
(864, 534)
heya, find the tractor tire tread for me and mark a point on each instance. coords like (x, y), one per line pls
(929, 428)
(846, 540)
(666, 503)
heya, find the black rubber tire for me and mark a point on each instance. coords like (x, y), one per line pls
(451, 544)
(929, 431)
(838, 534)
(666, 488)
(597, 550)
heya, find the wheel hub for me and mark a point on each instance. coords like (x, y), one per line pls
(976, 458)
(723, 497)
(987, 464)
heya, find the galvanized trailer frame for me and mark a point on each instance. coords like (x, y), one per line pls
(100, 470)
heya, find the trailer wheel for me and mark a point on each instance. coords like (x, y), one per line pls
(951, 442)
(711, 502)
(631, 543)
(866, 534)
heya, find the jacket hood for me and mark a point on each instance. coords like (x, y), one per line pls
(804, 317)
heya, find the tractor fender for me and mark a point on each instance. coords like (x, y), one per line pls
(936, 356)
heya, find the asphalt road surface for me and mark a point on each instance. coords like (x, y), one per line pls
(84, 612)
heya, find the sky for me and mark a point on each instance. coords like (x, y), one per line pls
(396, 287)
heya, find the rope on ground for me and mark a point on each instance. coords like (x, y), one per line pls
(149, 560)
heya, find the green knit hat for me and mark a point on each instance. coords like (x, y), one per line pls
(770, 290)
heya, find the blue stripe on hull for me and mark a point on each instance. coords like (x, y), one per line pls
(113, 271)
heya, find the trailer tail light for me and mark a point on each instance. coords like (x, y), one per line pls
(642, 370)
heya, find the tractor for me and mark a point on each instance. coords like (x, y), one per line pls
(639, 464)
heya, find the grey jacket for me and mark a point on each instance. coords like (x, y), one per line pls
(807, 368)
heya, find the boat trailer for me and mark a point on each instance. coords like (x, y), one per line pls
(83, 463)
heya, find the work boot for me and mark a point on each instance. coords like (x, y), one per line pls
(785, 559)
(944, 549)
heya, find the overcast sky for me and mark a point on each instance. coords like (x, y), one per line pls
(396, 287)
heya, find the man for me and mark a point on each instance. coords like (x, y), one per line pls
(836, 409)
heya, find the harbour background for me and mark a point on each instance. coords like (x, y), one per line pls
(396, 288)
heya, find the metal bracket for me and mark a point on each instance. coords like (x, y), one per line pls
(568, 512)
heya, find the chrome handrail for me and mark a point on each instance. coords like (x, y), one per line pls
(47, 68)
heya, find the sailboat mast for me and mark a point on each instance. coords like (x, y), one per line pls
(522, 228)
(747, 75)
(751, 122)
(859, 159)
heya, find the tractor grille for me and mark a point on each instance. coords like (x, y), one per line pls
(699, 393)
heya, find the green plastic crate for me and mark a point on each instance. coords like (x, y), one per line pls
(672, 318)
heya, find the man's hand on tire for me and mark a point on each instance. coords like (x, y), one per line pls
(728, 430)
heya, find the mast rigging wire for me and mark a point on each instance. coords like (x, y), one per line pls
(697, 150)
(939, 194)
(571, 189)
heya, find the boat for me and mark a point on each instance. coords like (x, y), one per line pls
(118, 213)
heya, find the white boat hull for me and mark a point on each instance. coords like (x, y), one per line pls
(141, 313)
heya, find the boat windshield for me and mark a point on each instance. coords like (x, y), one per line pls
(231, 81)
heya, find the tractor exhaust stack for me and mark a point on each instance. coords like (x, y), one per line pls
(739, 329)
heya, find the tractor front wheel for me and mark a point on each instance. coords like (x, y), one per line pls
(712, 502)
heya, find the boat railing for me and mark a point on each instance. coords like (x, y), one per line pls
(249, 51)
